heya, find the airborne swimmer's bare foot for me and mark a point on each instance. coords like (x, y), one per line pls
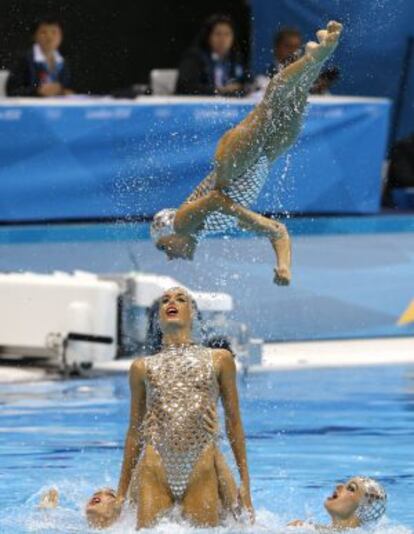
(327, 42)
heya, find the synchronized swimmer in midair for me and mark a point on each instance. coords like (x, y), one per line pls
(243, 159)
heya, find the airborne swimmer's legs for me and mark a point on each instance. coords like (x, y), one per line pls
(265, 127)
(269, 130)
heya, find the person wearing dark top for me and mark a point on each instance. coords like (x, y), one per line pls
(287, 45)
(213, 65)
(41, 71)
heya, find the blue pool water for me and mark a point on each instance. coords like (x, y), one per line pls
(305, 431)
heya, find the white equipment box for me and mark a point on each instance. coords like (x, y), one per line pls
(76, 320)
(57, 316)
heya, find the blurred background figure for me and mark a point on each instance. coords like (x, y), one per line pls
(287, 45)
(42, 70)
(213, 65)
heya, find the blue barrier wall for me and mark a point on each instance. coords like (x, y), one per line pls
(121, 159)
(372, 49)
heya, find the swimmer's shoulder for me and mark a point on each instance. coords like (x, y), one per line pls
(223, 361)
(137, 370)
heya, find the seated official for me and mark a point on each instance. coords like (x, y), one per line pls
(213, 65)
(41, 71)
(287, 47)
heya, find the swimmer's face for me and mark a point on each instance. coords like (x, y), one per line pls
(100, 508)
(49, 37)
(344, 501)
(176, 309)
(287, 47)
(177, 246)
(221, 38)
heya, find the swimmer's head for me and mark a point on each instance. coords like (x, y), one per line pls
(101, 508)
(163, 224)
(361, 500)
(166, 239)
(176, 310)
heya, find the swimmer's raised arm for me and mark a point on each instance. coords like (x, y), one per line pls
(225, 365)
(190, 217)
(132, 441)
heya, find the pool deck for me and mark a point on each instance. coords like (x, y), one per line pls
(276, 357)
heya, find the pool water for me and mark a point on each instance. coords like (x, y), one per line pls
(306, 430)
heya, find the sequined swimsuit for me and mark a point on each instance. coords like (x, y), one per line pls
(180, 384)
(243, 189)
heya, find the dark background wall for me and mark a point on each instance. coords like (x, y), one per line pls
(114, 43)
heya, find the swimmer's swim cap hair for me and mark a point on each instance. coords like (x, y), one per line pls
(374, 502)
(163, 224)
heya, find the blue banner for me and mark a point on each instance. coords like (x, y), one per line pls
(91, 160)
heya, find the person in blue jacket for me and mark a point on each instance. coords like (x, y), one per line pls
(41, 71)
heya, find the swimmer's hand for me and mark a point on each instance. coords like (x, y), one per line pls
(282, 276)
(245, 501)
(49, 500)
(327, 42)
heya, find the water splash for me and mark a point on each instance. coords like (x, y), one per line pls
(69, 518)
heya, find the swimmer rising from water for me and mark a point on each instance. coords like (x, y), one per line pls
(242, 162)
(173, 455)
(101, 510)
(359, 502)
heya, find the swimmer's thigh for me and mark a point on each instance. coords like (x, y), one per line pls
(240, 147)
(153, 494)
(201, 503)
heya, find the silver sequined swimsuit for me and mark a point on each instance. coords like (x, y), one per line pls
(180, 384)
(243, 189)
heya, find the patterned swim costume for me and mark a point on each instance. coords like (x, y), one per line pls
(244, 189)
(180, 384)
